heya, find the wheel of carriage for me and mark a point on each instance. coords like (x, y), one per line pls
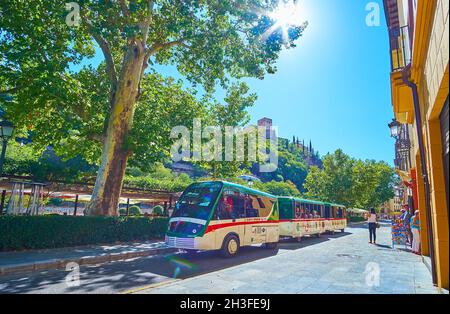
(342, 230)
(230, 246)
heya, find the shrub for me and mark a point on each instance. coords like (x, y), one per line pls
(134, 211)
(158, 210)
(42, 232)
(355, 219)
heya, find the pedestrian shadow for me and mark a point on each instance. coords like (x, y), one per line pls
(384, 246)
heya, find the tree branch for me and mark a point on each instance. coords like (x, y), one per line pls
(158, 46)
(110, 66)
(124, 7)
(148, 21)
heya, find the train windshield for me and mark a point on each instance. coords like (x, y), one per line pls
(197, 201)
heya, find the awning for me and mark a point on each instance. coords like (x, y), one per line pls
(404, 176)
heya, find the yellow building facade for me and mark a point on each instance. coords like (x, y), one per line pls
(419, 44)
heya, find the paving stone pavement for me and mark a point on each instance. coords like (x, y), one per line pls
(341, 265)
(37, 260)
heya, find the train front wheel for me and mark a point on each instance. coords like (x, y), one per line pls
(230, 246)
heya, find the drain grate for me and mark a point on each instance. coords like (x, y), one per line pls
(348, 255)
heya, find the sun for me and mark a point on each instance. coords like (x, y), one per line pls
(288, 14)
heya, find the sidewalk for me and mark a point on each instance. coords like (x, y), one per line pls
(38, 260)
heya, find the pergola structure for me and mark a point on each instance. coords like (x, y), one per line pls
(77, 192)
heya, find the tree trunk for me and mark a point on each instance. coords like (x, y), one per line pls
(108, 185)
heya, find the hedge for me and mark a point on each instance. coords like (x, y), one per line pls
(54, 231)
(356, 219)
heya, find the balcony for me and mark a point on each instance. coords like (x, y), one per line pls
(400, 48)
(400, 53)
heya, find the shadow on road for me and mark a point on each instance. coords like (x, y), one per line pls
(139, 272)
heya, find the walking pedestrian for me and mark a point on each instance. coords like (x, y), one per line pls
(372, 220)
(415, 227)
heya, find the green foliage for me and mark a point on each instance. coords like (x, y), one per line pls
(351, 182)
(278, 188)
(209, 42)
(356, 219)
(27, 160)
(231, 114)
(134, 210)
(158, 210)
(159, 178)
(53, 231)
(291, 166)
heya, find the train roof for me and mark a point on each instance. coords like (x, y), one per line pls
(303, 200)
(242, 188)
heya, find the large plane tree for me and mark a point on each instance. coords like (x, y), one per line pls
(43, 45)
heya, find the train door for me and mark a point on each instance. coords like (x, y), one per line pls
(257, 207)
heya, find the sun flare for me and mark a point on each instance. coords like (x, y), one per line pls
(288, 14)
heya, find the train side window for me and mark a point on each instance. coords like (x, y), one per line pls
(231, 205)
(298, 211)
(250, 210)
(258, 206)
(327, 211)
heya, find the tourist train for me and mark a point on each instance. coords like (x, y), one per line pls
(224, 216)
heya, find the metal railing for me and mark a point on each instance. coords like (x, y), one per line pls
(400, 47)
(403, 149)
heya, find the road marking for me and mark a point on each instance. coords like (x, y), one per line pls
(154, 285)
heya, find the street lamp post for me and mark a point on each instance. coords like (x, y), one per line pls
(6, 130)
(394, 126)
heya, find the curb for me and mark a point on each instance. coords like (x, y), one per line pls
(86, 260)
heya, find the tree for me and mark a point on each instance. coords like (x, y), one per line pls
(210, 41)
(232, 114)
(350, 182)
(373, 183)
(286, 188)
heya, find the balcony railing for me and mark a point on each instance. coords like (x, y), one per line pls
(403, 149)
(400, 47)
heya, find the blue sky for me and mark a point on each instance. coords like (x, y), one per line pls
(333, 88)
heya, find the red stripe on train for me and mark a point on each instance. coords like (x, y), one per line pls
(211, 228)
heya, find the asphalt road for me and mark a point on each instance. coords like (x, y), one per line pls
(141, 273)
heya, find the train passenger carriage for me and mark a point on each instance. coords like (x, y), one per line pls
(300, 217)
(223, 216)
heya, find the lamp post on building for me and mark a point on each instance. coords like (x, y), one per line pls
(394, 126)
(6, 130)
